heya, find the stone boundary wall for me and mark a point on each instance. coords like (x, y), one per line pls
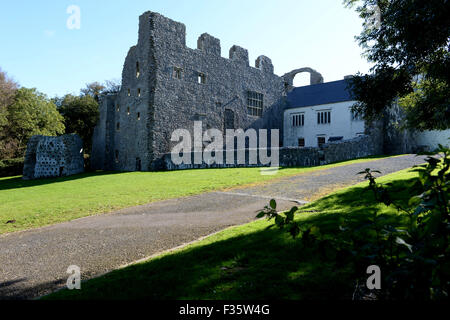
(358, 147)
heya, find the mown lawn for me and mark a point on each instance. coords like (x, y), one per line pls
(30, 204)
(251, 261)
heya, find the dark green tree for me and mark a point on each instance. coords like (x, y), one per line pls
(406, 40)
(8, 90)
(80, 116)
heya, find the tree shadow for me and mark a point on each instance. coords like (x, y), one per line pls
(12, 290)
(18, 182)
(261, 263)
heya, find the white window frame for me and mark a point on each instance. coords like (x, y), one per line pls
(298, 119)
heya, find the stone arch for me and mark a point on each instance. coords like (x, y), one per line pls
(315, 77)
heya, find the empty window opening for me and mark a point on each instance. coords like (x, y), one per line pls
(298, 120)
(129, 92)
(138, 72)
(118, 126)
(139, 92)
(139, 116)
(301, 142)
(177, 72)
(201, 78)
(116, 154)
(302, 79)
(128, 111)
(324, 117)
(118, 107)
(228, 119)
(255, 103)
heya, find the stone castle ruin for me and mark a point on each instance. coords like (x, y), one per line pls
(167, 86)
(48, 157)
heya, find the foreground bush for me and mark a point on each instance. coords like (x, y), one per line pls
(411, 250)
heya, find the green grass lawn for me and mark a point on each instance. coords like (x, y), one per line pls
(42, 202)
(250, 261)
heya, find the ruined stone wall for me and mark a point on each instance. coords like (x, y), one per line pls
(180, 102)
(153, 103)
(102, 155)
(53, 157)
(30, 157)
(136, 125)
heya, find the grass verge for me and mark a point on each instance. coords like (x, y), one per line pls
(251, 261)
(31, 204)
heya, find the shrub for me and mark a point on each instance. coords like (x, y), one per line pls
(412, 253)
(11, 167)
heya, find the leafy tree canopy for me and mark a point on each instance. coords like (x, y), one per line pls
(32, 113)
(407, 40)
(8, 90)
(93, 89)
(80, 116)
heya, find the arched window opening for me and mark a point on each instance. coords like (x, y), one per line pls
(302, 79)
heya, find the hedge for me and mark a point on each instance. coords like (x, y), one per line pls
(11, 167)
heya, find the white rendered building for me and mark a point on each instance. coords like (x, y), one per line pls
(320, 113)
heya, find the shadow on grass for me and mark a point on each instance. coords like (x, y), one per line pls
(260, 263)
(18, 182)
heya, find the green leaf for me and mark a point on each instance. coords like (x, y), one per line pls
(273, 204)
(260, 214)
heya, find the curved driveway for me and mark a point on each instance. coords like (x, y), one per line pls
(34, 262)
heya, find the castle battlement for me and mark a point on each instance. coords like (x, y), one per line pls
(209, 44)
(173, 35)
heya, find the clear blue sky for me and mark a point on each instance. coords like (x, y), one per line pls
(38, 50)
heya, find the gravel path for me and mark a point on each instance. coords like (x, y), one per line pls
(34, 262)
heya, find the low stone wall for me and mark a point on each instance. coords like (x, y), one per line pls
(299, 157)
(169, 165)
(359, 147)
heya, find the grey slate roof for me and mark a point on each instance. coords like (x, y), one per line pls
(317, 94)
